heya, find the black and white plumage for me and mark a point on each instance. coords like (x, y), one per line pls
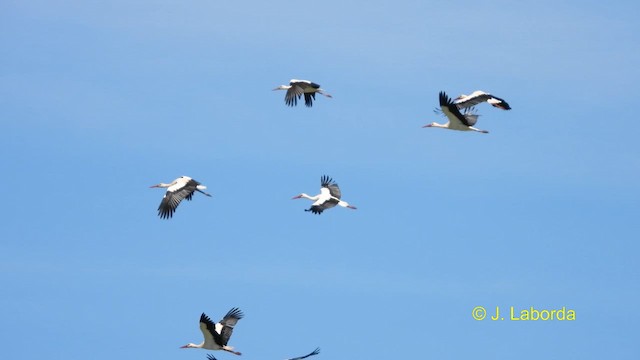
(477, 97)
(297, 88)
(329, 197)
(216, 335)
(314, 352)
(457, 120)
(179, 189)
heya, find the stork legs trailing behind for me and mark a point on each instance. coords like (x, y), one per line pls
(297, 88)
(179, 189)
(329, 197)
(216, 335)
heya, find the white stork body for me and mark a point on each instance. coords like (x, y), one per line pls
(216, 336)
(297, 88)
(314, 352)
(179, 189)
(477, 97)
(457, 120)
(329, 197)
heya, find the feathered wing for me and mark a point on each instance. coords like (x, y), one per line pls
(329, 196)
(451, 110)
(478, 97)
(499, 103)
(208, 329)
(228, 322)
(470, 115)
(314, 352)
(309, 98)
(172, 199)
(293, 94)
(175, 194)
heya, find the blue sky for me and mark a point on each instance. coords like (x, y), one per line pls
(100, 100)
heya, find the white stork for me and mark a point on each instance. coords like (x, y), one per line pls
(314, 352)
(478, 96)
(457, 120)
(297, 88)
(217, 335)
(179, 189)
(329, 197)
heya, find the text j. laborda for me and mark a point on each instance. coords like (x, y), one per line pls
(527, 314)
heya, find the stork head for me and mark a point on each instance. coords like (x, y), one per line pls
(434, 124)
(282, 87)
(296, 197)
(189, 345)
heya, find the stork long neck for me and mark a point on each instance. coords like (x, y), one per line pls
(163, 185)
(314, 198)
(444, 126)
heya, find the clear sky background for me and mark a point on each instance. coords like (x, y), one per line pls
(101, 99)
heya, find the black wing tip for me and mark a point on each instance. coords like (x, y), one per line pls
(205, 319)
(315, 210)
(444, 99)
(165, 213)
(504, 106)
(308, 99)
(211, 357)
(235, 313)
(326, 180)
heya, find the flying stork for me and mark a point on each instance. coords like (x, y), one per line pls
(314, 352)
(457, 120)
(217, 335)
(297, 88)
(329, 197)
(478, 96)
(179, 189)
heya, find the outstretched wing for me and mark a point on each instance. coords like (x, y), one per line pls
(308, 99)
(478, 97)
(314, 352)
(451, 110)
(293, 94)
(174, 195)
(327, 182)
(228, 322)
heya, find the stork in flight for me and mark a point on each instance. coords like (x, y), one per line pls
(329, 197)
(179, 189)
(457, 120)
(297, 88)
(314, 352)
(478, 96)
(216, 336)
